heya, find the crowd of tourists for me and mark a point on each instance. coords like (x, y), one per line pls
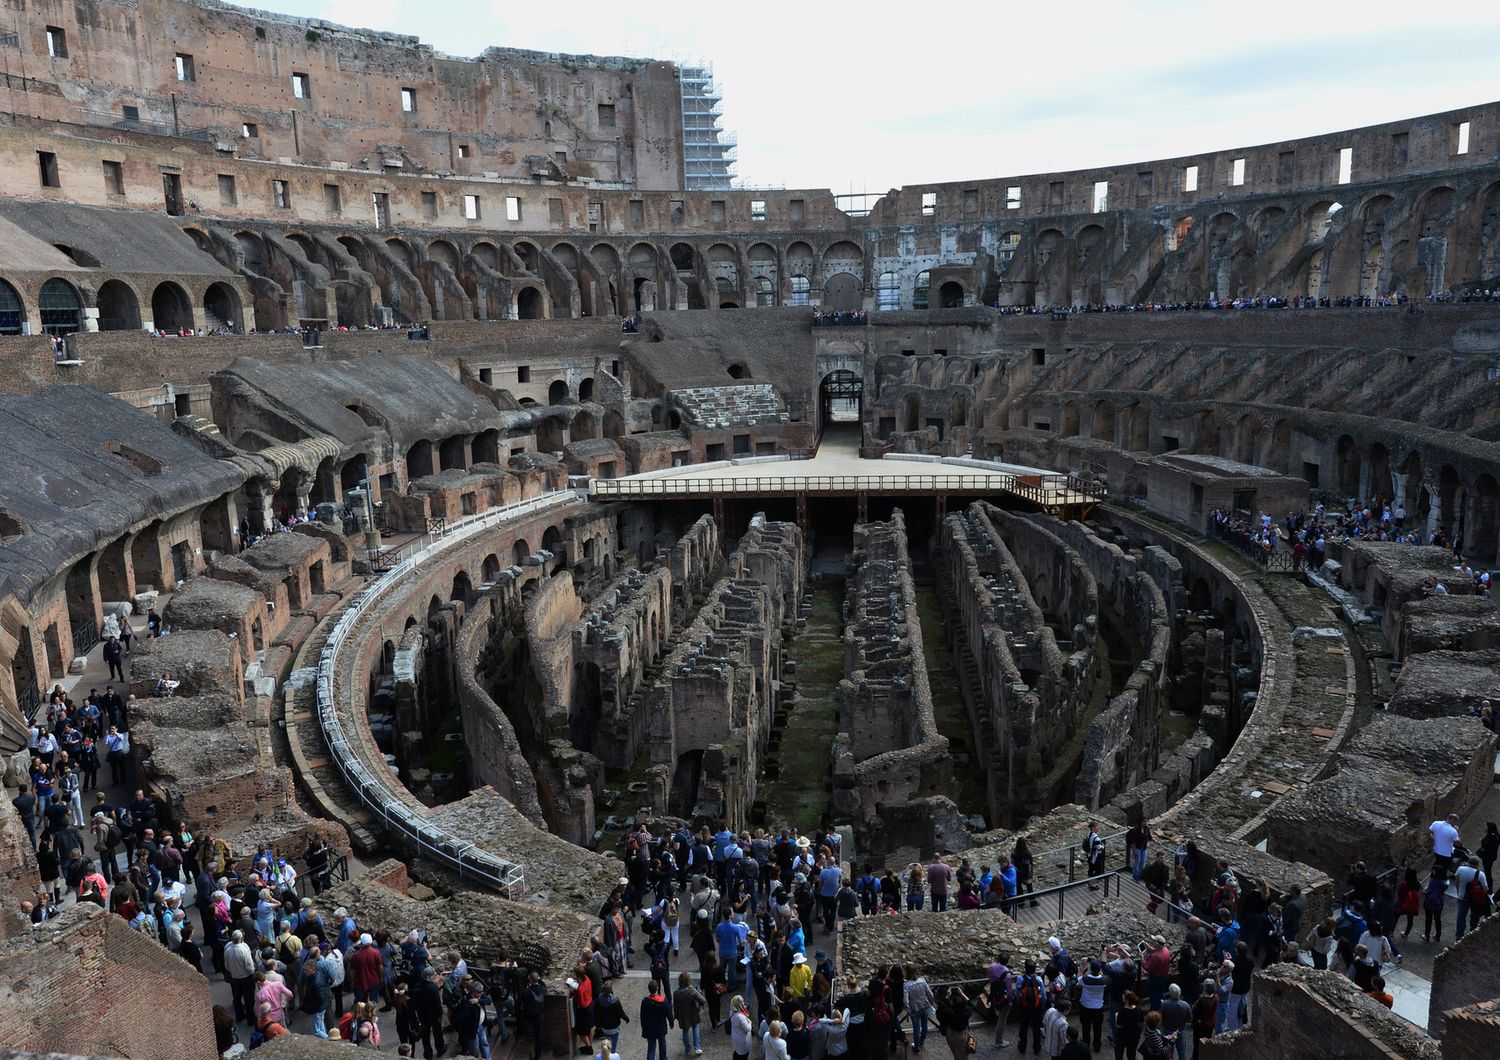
(838, 318)
(1304, 537)
(1396, 299)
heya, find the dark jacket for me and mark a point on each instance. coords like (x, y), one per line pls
(608, 1012)
(656, 1016)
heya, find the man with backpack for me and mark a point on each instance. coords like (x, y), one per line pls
(1030, 1004)
(1473, 895)
(1093, 852)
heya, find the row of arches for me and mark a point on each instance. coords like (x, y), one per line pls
(61, 308)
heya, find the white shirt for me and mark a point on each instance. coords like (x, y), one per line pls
(1444, 835)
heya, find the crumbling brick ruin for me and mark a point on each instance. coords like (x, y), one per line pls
(502, 484)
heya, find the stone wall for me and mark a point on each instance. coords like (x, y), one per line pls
(1463, 974)
(88, 985)
(716, 696)
(1299, 1012)
(889, 749)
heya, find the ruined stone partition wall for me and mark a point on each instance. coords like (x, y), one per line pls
(1124, 740)
(623, 633)
(715, 699)
(1301, 1012)
(1039, 702)
(492, 751)
(1465, 973)
(887, 726)
(88, 985)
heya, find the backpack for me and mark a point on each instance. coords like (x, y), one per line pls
(1476, 895)
(336, 972)
(1030, 993)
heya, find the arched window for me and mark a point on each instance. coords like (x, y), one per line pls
(62, 311)
(800, 289)
(888, 291)
(920, 292)
(12, 316)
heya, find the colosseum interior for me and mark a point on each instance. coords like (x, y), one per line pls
(622, 496)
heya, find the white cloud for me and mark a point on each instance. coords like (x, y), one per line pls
(886, 93)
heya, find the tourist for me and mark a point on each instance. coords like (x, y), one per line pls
(1154, 1043)
(953, 1011)
(1378, 992)
(609, 1013)
(1444, 836)
(915, 884)
(688, 1003)
(1176, 1017)
(1093, 852)
(1473, 889)
(939, 876)
(656, 1021)
(740, 1028)
(1127, 1021)
(1432, 906)
(1030, 1004)
(1091, 990)
(1054, 1029)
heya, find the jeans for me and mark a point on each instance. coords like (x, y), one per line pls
(1030, 1020)
(614, 1039)
(939, 903)
(1137, 863)
(656, 1048)
(690, 1039)
(1092, 1026)
(1156, 988)
(914, 901)
(1464, 909)
(480, 1045)
(918, 1029)
(320, 1019)
(731, 965)
(1235, 1002)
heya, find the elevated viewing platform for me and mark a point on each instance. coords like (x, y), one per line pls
(837, 470)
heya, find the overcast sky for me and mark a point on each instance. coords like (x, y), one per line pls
(875, 95)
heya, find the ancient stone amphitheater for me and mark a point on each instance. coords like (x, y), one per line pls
(625, 496)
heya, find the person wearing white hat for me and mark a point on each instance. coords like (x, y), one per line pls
(801, 978)
(366, 968)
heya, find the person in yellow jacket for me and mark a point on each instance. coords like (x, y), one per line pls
(801, 979)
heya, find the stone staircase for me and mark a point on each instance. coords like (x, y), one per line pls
(731, 406)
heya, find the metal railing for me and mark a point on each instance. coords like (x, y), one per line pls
(1041, 488)
(377, 794)
(1073, 850)
(338, 872)
(85, 636)
(1278, 559)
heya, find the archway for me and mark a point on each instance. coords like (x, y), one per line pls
(951, 295)
(911, 413)
(586, 389)
(557, 393)
(491, 568)
(923, 289)
(842, 293)
(520, 552)
(1484, 532)
(221, 307)
(529, 304)
(12, 313)
(1380, 472)
(119, 309)
(171, 309)
(1346, 458)
(463, 588)
(61, 308)
(840, 398)
(419, 460)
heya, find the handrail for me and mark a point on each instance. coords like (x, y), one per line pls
(1045, 486)
(428, 840)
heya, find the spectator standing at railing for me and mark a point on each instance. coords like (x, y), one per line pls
(1138, 843)
(1093, 852)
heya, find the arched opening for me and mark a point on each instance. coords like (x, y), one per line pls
(557, 393)
(490, 569)
(1414, 497)
(911, 413)
(352, 473)
(1104, 422)
(552, 541)
(451, 453)
(419, 460)
(1484, 533)
(587, 707)
(765, 293)
(221, 308)
(842, 293)
(529, 304)
(12, 313)
(614, 424)
(922, 291)
(586, 388)
(171, 309)
(737, 370)
(1139, 440)
(1380, 472)
(888, 291)
(119, 309)
(485, 449)
(840, 399)
(685, 780)
(584, 425)
(951, 295)
(60, 307)
(463, 589)
(801, 290)
(1450, 503)
(1346, 457)
(520, 552)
